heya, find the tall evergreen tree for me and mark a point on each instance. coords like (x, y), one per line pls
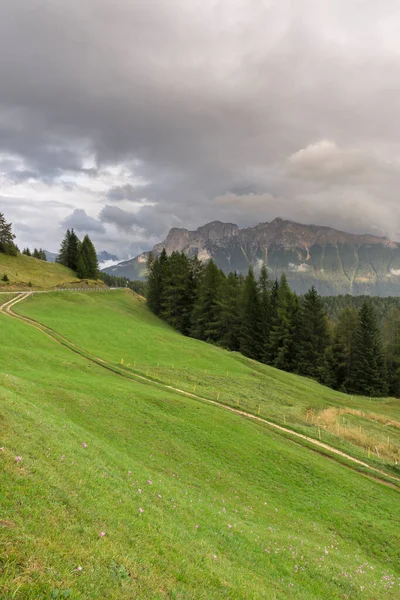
(313, 336)
(342, 353)
(36, 253)
(230, 312)
(7, 237)
(251, 336)
(392, 338)
(87, 266)
(62, 256)
(26, 252)
(74, 248)
(178, 293)
(368, 375)
(284, 332)
(271, 350)
(69, 250)
(265, 312)
(206, 315)
(156, 271)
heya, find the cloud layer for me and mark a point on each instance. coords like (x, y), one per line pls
(123, 118)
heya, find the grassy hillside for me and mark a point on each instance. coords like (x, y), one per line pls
(22, 269)
(118, 327)
(194, 502)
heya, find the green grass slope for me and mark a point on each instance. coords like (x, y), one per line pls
(22, 269)
(194, 502)
(117, 326)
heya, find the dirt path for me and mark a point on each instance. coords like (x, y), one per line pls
(53, 335)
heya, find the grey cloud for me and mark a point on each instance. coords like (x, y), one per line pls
(80, 221)
(122, 219)
(127, 192)
(205, 99)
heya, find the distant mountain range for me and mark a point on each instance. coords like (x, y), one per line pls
(334, 261)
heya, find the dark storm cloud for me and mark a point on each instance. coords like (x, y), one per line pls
(80, 221)
(294, 101)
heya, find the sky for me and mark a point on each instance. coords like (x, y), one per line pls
(124, 118)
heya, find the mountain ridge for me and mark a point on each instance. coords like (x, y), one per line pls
(335, 261)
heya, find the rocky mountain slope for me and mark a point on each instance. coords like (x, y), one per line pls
(335, 262)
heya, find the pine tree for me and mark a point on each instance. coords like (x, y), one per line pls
(313, 336)
(230, 294)
(36, 254)
(265, 308)
(343, 348)
(178, 294)
(392, 337)
(42, 255)
(62, 256)
(156, 272)
(69, 251)
(87, 264)
(206, 315)
(271, 351)
(27, 252)
(74, 248)
(250, 338)
(7, 237)
(284, 332)
(368, 375)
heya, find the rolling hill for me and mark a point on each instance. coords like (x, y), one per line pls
(26, 272)
(335, 262)
(120, 487)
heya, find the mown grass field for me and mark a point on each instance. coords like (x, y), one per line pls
(194, 502)
(131, 335)
(22, 270)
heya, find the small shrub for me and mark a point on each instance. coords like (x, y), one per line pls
(5, 277)
(30, 284)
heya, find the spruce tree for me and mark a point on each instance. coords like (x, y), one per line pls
(284, 332)
(26, 252)
(313, 338)
(69, 251)
(230, 294)
(36, 254)
(74, 248)
(265, 312)
(156, 273)
(206, 315)
(368, 375)
(178, 294)
(7, 237)
(251, 335)
(271, 351)
(343, 348)
(392, 337)
(62, 256)
(87, 265)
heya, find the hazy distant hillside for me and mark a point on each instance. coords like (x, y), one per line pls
(335, 262)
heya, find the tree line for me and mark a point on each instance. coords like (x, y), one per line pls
(140, 287)
(39, 254)
(79, 256)
(266, 321)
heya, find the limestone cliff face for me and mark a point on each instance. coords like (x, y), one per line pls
(334, 261)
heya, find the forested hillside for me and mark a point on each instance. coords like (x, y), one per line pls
(268, 322)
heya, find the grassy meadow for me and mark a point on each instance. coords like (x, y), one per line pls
(23, 270)
(118, 490)
(132, 337)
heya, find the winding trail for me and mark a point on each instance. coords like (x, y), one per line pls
(375, 473)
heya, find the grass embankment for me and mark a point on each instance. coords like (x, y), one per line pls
(233, 510)
(24, 270)
(119, 327)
